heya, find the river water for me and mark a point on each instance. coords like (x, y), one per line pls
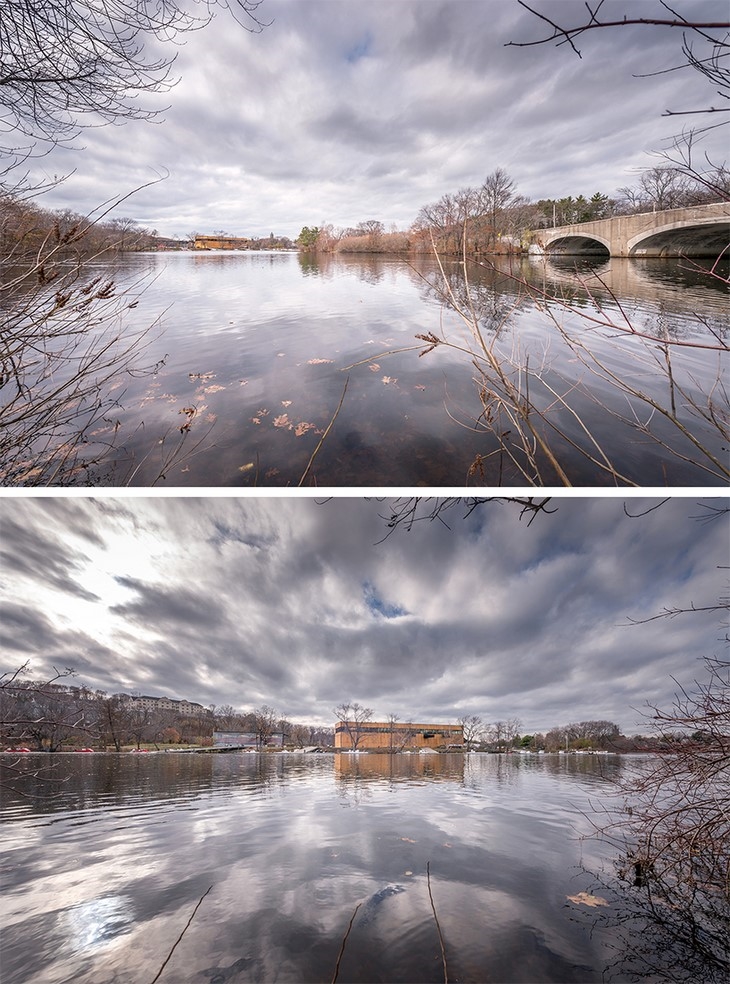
(105, 858)
(258, 348)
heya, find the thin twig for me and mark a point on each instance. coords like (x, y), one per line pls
(159, 972)
(438, 927)
(322, 438)
(344, 941)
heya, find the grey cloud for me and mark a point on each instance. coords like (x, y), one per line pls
(274, 600)
(180, 605)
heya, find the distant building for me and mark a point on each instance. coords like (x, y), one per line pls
(400, 735)
(221, 242)
(244, 739)
(183, 708)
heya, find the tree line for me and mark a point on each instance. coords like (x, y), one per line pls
(495, 218)
(55, 715)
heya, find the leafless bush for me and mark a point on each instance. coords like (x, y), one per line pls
(538, 419)
(672, 827)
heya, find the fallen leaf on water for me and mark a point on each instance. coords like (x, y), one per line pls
(408, 839)
(286, 403)
(255, 420)
(584, 898)
(407, 872)
(318, 362)
(215, 388)
(374, 367)
(271, 472)
(282, 420)
(419, 387)
(245, 468)
(302, 427)
(280, 355)
(389, 379)
(201, 375)
(243, 382)
(261, 413)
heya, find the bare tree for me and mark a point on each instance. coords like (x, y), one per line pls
(264, 724)
(673, 830)
(352, 717)
(473, 728)
(82, 62)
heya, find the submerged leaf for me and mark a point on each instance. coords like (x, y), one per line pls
(584, 898)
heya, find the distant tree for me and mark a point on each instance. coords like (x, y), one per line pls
(400, 734)
(307, 238)
(264, 719)
(496, 194)
(353, 716)
(473, 728)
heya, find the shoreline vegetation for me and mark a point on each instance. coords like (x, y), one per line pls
(492, 220)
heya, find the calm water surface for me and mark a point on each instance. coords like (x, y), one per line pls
(105, 860)
(260, 344)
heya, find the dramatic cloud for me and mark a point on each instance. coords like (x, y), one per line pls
(303, 604)
(345, 111)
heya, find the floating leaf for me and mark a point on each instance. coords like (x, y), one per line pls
(374, 367)
(584, 898)
(271, 472)
(262, 413)
(255, 420)
(201, 375)
(389, 379)
(302, 427)
(282, 421)
(408, 840)
(215, 388)
(286, 403)
(419, 387)
(243, 382)
(246, 468)
(318, 362)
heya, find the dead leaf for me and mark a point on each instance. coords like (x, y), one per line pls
(282, 421)
(302, 427)
(419, 387)
(243, 382)
(409, 840)
(248, 467)
(286, 403)
(255, 420)
(215, 388)
(389, 379)
(318, 362)
(584, 898)
(375, 367)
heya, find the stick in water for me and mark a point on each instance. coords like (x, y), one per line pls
(344, 941)
(438, 927)
(159, 972)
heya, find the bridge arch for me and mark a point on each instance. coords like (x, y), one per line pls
(575, 245)
(700, 239)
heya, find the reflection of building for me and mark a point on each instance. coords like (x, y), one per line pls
(398, 735)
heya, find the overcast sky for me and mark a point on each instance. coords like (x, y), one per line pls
(347, 110)
(295, 603)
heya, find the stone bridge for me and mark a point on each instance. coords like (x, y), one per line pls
(703, 230)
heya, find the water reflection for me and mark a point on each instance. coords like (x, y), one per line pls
(257, 343)
(102, 877)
